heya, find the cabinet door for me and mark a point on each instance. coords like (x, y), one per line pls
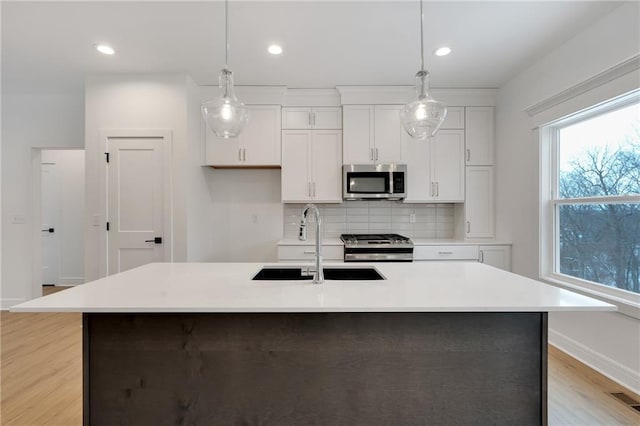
(220, 151)
(447, 165)
(478, 206)
(296, 118)
(388, 134)
(480, 134)
(498, 256)
(358, 129)
(261, 137)
(326, 166)
(326, 118)
(295, 174)
(454, 118)
(417, 153)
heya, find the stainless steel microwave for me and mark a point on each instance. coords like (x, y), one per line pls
(374, 181)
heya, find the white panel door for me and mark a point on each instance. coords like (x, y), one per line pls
(480, 135)
(295, 176)
(221, 151)
(417, 153)
(498, 256)
(327, 118)
(358, 128)
(136, 202)
(260, 139)
(388, 134)
(447, 165)
(326, 166)
(296, 118)
(479, 203)
(50, 220)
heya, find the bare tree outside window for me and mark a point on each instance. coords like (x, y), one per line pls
(600, 241)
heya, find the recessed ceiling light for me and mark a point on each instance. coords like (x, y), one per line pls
(274, 49)
(104, 48)
(443, 51)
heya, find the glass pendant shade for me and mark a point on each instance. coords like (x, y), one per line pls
(226, 116)
(424, 116)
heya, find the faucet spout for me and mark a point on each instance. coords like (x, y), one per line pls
(318, 274)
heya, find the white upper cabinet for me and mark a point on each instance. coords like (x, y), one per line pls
(372, 134)
(311, 166)
(480, 135)
(478, 206)
(454, 118)
(320, 118)
(358, 134)
(257, 145)
(435, 167)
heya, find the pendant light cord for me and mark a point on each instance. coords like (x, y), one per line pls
(421, 37)
(226, 32)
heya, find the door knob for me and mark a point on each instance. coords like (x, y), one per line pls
(51, 230)
(156, 240)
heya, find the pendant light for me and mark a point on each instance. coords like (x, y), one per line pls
(424, 116)
(225, 115)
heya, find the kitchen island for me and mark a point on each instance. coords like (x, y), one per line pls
(202, 343)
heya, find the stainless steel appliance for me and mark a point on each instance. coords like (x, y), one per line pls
(377, 248)
(374, 181)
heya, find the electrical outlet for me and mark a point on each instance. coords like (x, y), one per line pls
(412, 218)
(18, 219)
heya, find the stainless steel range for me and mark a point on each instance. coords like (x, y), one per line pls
(377, 248)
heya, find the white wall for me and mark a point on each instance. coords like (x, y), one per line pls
(608, 341)
(154, 101)
(70, 229)
(29, 120)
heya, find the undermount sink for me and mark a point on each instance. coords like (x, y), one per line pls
(296, 273)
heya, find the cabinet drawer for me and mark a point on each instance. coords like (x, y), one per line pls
(287, 253)
(445, 252)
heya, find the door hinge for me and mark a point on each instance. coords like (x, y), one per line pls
(107, 226)
(106, 156)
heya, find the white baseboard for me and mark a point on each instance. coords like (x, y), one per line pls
(617, 372)
(5, 304)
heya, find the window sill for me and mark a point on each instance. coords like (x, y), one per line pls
(625, 306)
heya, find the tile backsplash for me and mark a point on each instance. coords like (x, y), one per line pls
(359, 217)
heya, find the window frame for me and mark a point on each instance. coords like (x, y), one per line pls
(627, 301)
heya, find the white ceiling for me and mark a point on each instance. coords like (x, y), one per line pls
(48, 46)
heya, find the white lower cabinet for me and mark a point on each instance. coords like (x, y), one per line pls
(435, 167)
(298, 253)
(478, 206)
(312, 166)
(496, 255)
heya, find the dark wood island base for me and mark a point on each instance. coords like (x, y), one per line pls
(315, 369)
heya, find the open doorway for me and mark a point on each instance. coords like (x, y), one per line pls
(62, 201)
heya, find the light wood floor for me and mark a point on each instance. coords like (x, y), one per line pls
(41, 378)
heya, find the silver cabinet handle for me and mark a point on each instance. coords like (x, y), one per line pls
(437, 189)
(309, 252)
(239, 154)
(314, 190)
(371, 154)
(481, 256)
(314, 118)
(445, 252)
(244, 154)
(376, 154)
(432, 191)
(468, 227)
(468, 154)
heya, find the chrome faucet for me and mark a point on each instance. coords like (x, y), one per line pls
(318, 275)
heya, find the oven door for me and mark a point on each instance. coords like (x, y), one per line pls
(365, 254)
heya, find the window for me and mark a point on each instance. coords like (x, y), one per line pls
(595, 196)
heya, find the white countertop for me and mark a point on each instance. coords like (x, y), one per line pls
(227, 287)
